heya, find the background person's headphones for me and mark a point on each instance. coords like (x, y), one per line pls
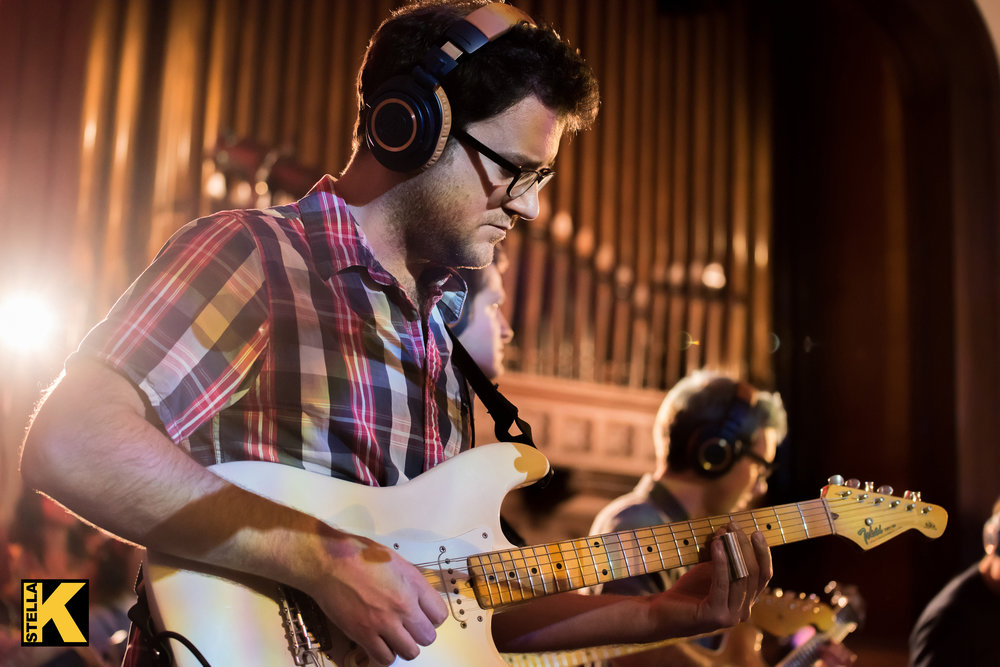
(714, 448)
(408, 118)
(991, 534)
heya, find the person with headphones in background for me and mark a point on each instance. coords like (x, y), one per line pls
(482, 328)
(313, 336)
(715, 440)
(959, 625)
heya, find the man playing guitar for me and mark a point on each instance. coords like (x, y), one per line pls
(311, 335)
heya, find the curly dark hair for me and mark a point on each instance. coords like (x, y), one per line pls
(526, 60)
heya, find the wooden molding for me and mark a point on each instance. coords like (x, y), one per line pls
(582, 425)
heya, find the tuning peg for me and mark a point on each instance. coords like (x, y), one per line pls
(912, 495)
(854, 483)
(835, 480)
(885, 490)
(869, 486)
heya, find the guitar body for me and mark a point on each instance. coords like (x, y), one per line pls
(436, 520)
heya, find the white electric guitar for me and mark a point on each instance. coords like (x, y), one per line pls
(446, 522)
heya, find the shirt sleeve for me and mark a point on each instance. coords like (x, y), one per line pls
(188, 331)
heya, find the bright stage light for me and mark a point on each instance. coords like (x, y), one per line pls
(27, 322)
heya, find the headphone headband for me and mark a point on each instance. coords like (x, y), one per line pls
(408, 119)
(713, 450)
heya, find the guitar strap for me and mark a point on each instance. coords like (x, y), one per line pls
(504, 412)
(504, 415)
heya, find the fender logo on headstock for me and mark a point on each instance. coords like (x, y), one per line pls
(869, 534)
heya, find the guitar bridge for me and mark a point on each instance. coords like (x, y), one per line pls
(300, 615)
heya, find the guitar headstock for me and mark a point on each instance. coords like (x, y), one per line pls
(782, 613)
(870, 516)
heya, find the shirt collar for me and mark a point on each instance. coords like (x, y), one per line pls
(338, 244)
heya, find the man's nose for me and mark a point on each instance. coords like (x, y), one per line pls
(526, 206)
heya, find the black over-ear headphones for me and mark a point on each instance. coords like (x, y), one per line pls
(408, 118)
(714, 448)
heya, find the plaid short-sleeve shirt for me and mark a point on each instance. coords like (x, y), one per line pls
(275, 335)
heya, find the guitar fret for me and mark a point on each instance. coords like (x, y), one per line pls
(511, 578)
(677, 547)
(697, 546)
(805, 526)
(829, 516)
(567, 569)
(531, 569)
(684, 555)
(613, 548)
(481, 581)
(588, 569)
(625, 541)
(553, 566)
(539, 555)
(778, 520)
(544, 567)
(658, 537)
(647, 545)
(599, 571)
(496, 579)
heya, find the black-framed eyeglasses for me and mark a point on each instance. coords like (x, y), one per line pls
(768, 466)
(523, 178)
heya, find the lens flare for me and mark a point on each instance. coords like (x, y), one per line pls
(27, 322)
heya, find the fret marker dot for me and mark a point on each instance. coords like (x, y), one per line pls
(511, 575)
(649, 548)
(534, 570)
(769, 526)
(604, 572)
(685, 542)
(558, 566)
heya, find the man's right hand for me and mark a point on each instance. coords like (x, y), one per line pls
(377, 598)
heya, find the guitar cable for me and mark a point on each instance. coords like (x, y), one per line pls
(156, 642)
(161, 637)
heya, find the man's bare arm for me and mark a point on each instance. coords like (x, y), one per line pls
(91, 448)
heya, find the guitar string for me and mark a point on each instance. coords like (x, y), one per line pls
(506, 586)
(518, 561)
(571, 574)
(629, 549)
(852, 507)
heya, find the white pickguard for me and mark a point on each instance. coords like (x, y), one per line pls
(450, 512)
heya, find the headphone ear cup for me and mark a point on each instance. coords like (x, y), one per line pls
(713, 456)
(407, 124)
